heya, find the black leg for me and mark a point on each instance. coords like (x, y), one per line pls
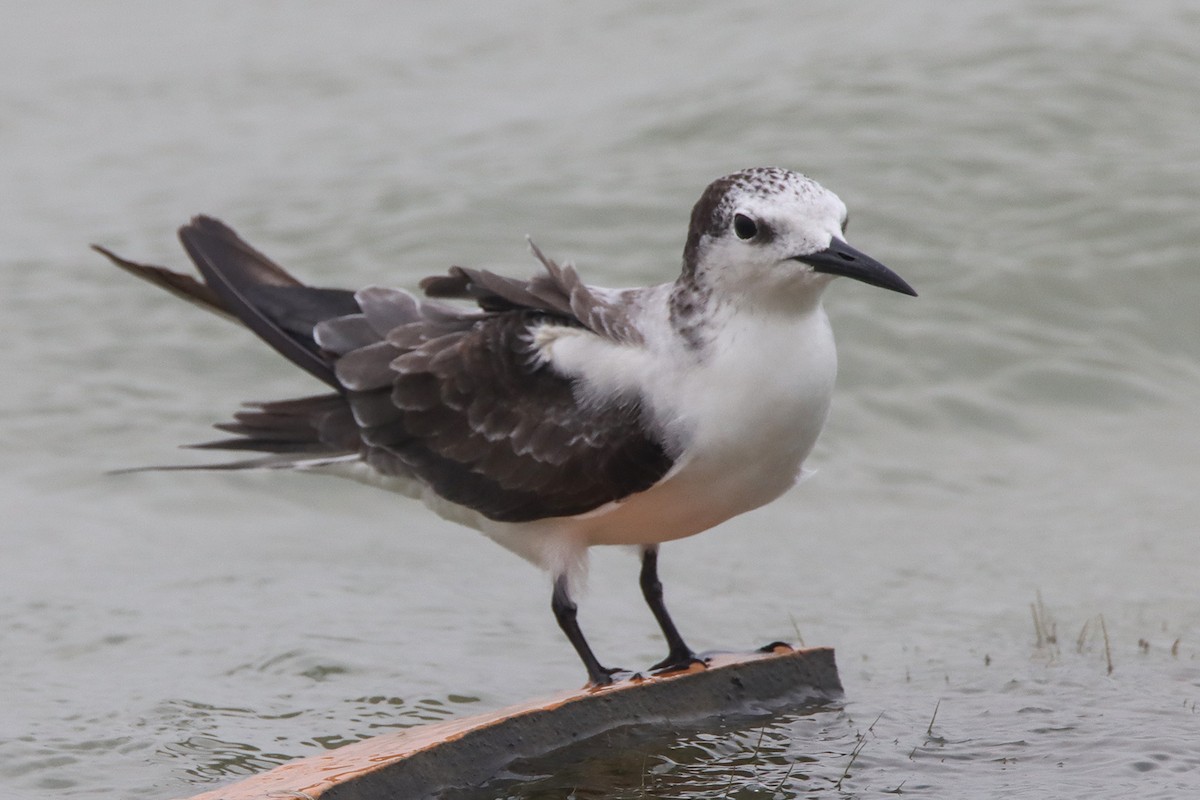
(679, 655)
(564, 611)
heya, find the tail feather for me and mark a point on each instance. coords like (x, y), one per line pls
(320, 425)
(243, 284)
(275, 461)
(182, 286)
(263, 296)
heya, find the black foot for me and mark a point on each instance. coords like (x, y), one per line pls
(603, 676)
(775, 647)
(677, 662)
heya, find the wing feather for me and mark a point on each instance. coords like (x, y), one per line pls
(453, 398)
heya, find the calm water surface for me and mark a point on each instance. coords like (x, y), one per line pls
(1025, 428)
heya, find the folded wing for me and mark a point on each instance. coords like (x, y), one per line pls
(451, 397)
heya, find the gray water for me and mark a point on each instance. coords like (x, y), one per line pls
(1025, 429)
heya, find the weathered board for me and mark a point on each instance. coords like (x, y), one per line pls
(422, 761)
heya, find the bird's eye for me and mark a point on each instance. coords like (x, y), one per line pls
(744, 227)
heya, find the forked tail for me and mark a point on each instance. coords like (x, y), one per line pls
(242, 283)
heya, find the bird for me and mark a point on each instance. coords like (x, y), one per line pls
(550, 414)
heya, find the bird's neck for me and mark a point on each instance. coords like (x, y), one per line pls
(690, 309)
(700, 308)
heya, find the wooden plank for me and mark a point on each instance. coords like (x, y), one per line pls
(421, 761)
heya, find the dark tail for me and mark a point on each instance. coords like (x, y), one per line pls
(242, 283)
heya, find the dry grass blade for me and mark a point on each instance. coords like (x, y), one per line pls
(1107, 646)
(862, 742)
(1043, 624)
(938, 705)
(796, 628)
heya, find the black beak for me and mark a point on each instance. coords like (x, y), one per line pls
(842, 259)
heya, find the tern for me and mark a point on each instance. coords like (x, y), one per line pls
(550, 414)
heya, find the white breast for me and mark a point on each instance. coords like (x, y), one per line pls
(743, 418)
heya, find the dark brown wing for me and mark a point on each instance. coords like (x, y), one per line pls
(452, 398)
(475, 416)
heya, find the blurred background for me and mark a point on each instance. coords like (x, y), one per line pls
(1017, 445)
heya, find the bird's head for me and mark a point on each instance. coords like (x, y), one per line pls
(775, 234)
